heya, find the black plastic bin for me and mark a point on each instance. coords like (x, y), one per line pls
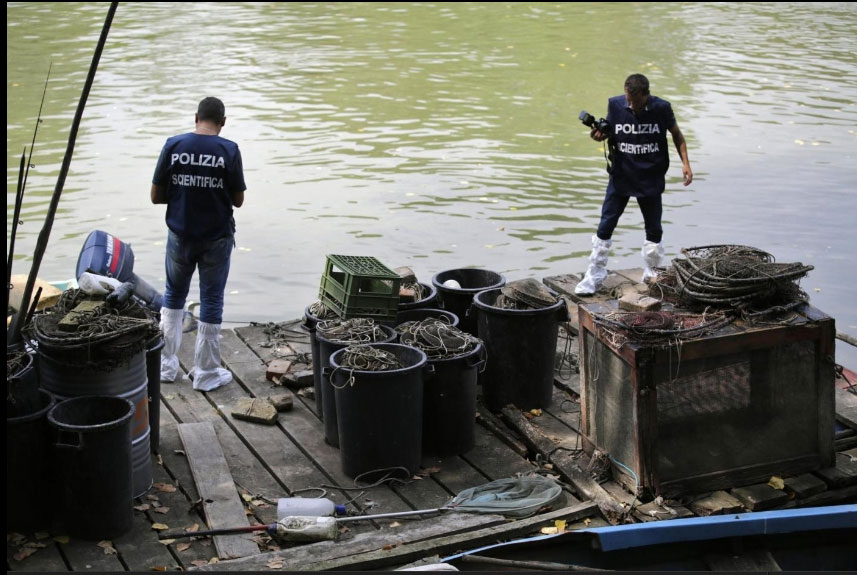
(459, 300)
(380, 415)
(93, 456)
(328, 397)
(29, 493)
(309, 324)
(521, 346)
(449, 404)
(153, 374)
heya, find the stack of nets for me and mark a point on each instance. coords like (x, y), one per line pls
(368, 358)
(356, 330)
(735, 276)
(653, 327)
(321, 311)
(437, 339)
(525, 294)
(106, 336)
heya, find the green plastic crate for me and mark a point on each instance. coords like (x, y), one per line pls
(360, 286)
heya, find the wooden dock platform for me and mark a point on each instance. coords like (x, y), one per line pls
(251, 465)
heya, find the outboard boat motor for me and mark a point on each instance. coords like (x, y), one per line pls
(104, 254)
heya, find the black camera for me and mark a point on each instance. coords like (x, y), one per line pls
(589, 120)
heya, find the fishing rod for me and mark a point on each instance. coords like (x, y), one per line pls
(14, 333)
(22, 184)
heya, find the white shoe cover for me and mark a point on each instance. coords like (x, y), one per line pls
(596, 273)
(207, 373)
(171, 325)
(652, 254)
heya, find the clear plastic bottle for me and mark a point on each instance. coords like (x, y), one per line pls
(308, 507)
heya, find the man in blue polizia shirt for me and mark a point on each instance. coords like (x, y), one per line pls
(638, 141)
(200, 177)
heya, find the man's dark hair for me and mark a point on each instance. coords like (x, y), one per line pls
(637, 84)
(211, 109)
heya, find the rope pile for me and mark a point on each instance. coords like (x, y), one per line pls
(525, 294)
(658, 326)
(106, 335)
(367, 358)
(356, 330)
(321, 311)
(436, 338)
(736, 276)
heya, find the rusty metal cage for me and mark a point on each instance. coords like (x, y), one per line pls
(732, 407)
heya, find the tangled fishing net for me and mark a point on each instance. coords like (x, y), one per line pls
(436, 338)
(525, 294)
(654, 327)
(368, 358)
(356, 330)
(743, 278)
(108, 336)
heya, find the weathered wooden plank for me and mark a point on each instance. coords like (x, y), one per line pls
(846, 407)
(453, 473)
(88, 556)
(140, 550)
(221, 504)
(490, 422)
(653, 511)
(182, 512)
(493, 458)
(842, 475)
(802, 486)
(47, 558)
(557, 431)
(751, 560)
(565, 464)
(408, 532)
(717, 503)
(760, 497)
(405, 553)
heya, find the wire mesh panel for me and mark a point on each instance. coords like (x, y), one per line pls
(729, 407)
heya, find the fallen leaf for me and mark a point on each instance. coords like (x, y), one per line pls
(160, 568)
(777, 482)
(417, 478)
(213, 560)
(246, 497)
(199, 562)
(108, 547)
(587, 521)
(275, 564)
(160, 526)
(152, 497)
(15, 538)
(395, 524)
(205, 542)
(163, 510)
(192, 529)
(42, 535)
(62, 539)
(183, 546)
(548, 530)
(259, 503)
(560, 525)
(166, 541)
(156, 503)
(24, 553)
(178, 451)
(387, 547)
(160, 460)
(143, 507)
(431, 470)
(536, 412)
(165, 487)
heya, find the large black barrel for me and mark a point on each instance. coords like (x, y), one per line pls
(380, 414)
(449, 404)
(29, 454)
(458, 299)
(328, 397)
(521, 346)
(309, 323)
(153, 387)
(93, 456)
(127, 380)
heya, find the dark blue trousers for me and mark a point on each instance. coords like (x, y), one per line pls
(614, 206)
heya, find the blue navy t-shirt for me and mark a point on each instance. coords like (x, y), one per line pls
(641, 154)
(199, 172)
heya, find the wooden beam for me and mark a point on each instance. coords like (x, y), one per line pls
(221, 503)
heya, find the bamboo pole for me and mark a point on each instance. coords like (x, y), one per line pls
(14, 335)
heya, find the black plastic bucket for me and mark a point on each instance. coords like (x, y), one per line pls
(449, 404)
(153, 374)
(380, 414)
(427, 300)
(425, 313)
(93, 453)
(328, 397)
(458, 300)
(521, 346)
(128, 381)
(22, 387)
(309, 324)
(29, 493)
